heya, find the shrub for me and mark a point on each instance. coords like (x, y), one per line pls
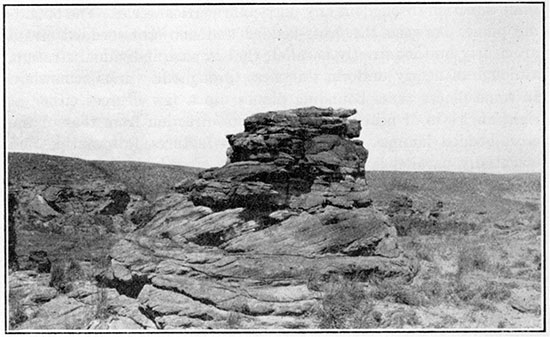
(479, 295)
(16, 313)
(61, 277)
(102, 310)
(396, 292)
(446, 322)
(364, 317)
(494, 291)
(519, 264)
(57, 278)
(462, 291)
(482, 305)
(472, 258)
(503, 270)
(313, 280)
(400, 317)
(339, 303)
(74, 271)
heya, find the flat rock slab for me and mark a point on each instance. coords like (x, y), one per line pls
(61, 313)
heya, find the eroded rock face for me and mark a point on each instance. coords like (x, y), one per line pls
(40, 307)
(281, 154)
(253, 237)
(193, 267)
(88, 210)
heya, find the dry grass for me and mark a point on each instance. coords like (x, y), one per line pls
(102, 309)
(340, 303)
(399, 318)
(145, 179)
(471, 258)
(63, 274)
(16, 311)
(396, 292)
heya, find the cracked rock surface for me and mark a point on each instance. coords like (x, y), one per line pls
(250, 239)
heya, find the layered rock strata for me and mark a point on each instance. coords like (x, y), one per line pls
(65, 213)
(280, 155)
(258, 237)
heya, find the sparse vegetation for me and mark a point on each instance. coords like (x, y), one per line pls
(471, 258)
(102, 310)
(234, 320)
(396, 292)
(342, 299)
(74, 271)
(494, 291)
(145, 179)
(401, 317)
(16, 311)
(467, 268)
(64, 273)
(57, 278)
(469, 273)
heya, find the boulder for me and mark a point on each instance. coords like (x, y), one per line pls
(41, 210)
(61, 313)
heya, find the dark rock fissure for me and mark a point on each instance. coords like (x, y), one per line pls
(194, 298)
(130, 288)
(209, 239)
(261, 216)
(151, 315)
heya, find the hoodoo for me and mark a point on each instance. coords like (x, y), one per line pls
(284, 154)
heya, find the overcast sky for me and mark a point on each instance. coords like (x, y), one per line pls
(437, 87)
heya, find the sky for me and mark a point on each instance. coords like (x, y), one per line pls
(437, 87)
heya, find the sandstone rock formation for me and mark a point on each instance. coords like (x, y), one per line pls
(42, 307)
(283, 154)
(76, 211)
(252, 238)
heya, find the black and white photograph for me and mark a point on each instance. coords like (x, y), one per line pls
(291, 167)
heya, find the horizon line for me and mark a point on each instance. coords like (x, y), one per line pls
(204, 168)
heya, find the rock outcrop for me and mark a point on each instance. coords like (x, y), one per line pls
(281, 155)
(65, 213)
(253, 238)
(13, 263)
(34, 305)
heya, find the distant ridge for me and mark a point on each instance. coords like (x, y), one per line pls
(498, 194)
(146, 179)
